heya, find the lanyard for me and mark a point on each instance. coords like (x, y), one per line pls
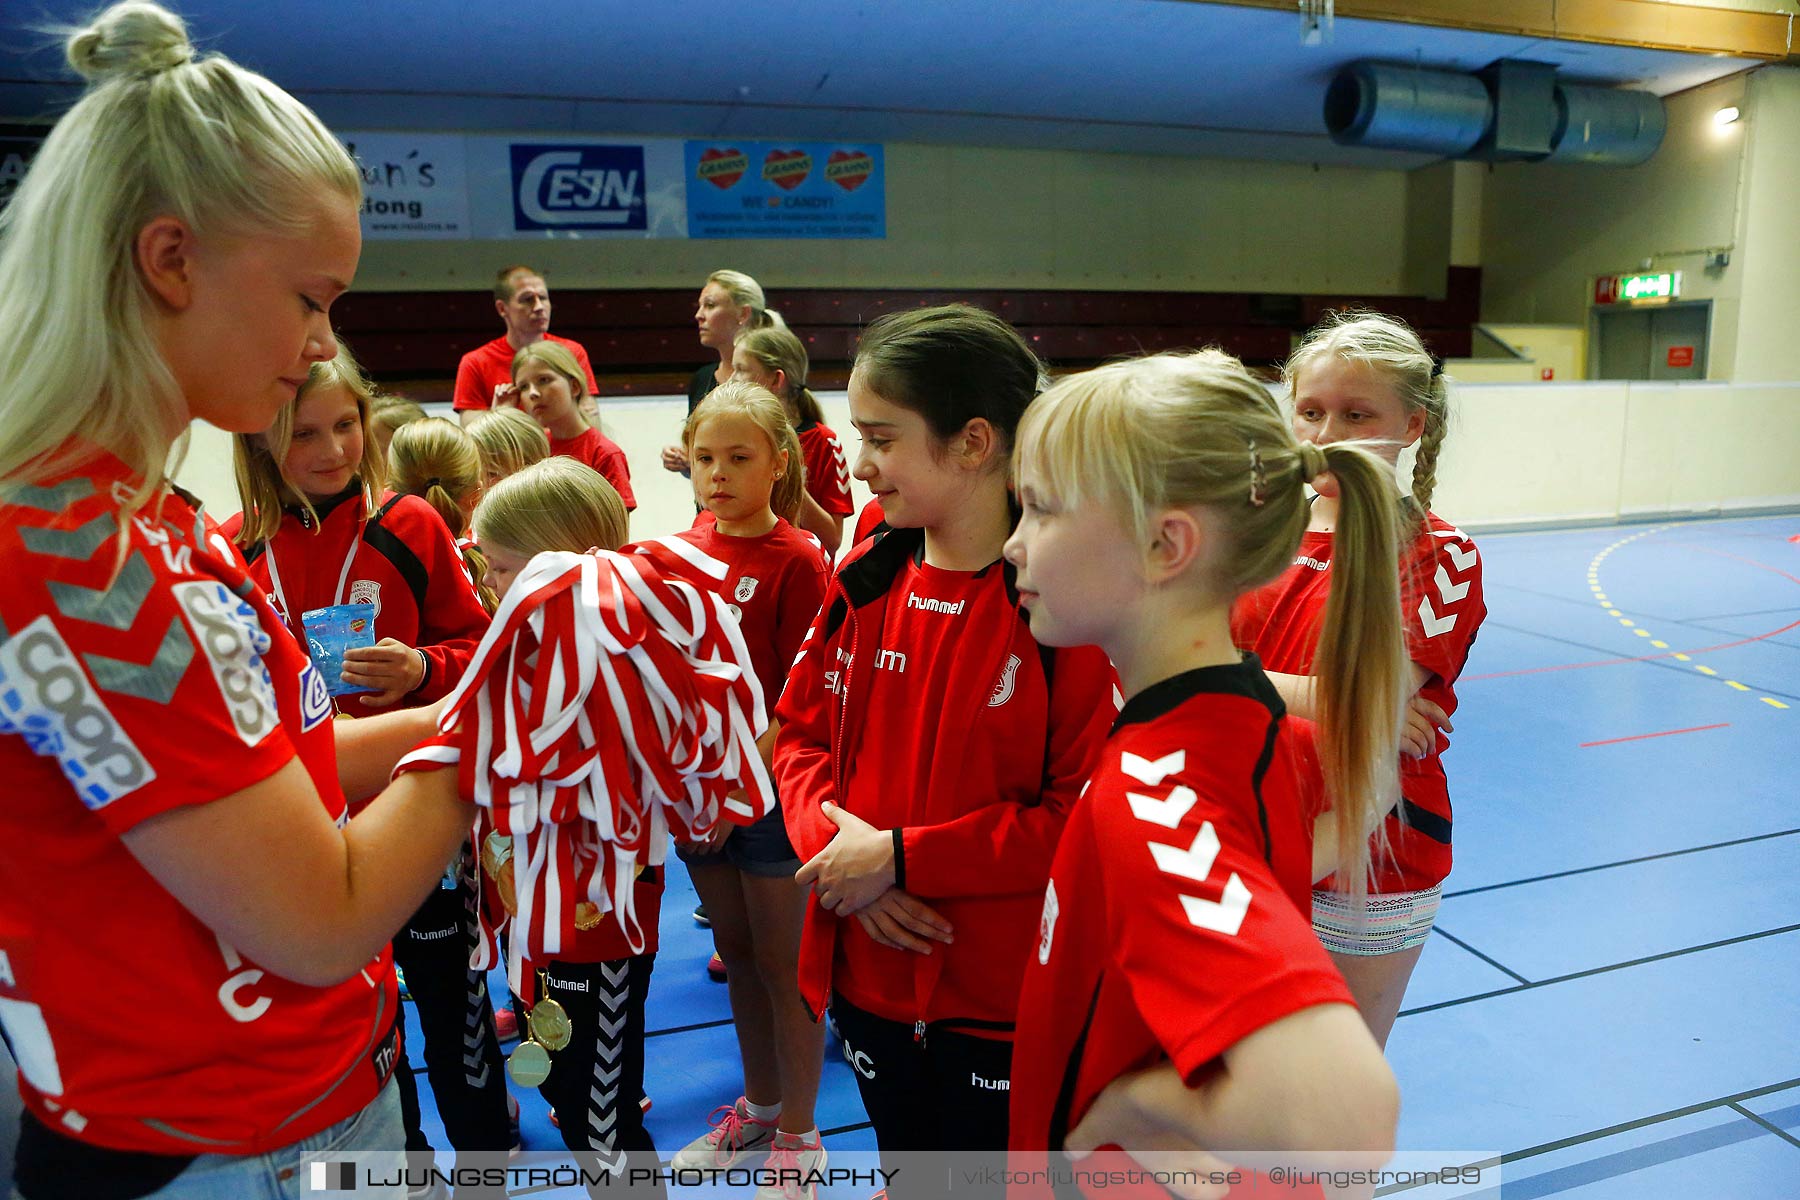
(293, 618)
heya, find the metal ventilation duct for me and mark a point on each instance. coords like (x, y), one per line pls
(1407, 108)
(1606, 125)
(1396, 107)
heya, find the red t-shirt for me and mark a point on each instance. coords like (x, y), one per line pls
(774, 585)
(600, 452)
(1441, 597)
(487, 369)
(827, 470)
(170, 684)
(1175, 923)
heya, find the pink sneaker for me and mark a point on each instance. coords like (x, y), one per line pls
(506, 1024)
(735, 1136)
(793, 1166)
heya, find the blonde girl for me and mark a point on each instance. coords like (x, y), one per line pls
(508, 441)
(551, 389)
(1366, 377)
(746, 464)
(390, 413)
(776, 359)
(1174, 926)
(176, 247)
(320, 527)
(437, 461)
(596, 1083)
(730, 303)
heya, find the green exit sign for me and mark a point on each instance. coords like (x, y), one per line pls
(1665, 286)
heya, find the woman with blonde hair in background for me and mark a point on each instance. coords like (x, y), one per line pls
(730, 303)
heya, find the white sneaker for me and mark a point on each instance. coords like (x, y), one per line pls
(735, 1136)
(793, 1164)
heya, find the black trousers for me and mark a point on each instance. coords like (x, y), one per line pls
(462, 1053)
(597, 1081)
(946, 1091)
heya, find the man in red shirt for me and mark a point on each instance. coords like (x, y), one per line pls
(484, 376)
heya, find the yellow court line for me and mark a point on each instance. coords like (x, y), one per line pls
(1682, 658)
(1659, 645)
(1772, 700)
(1732, 683)
(1705, 670)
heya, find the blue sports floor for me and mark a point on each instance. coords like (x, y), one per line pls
(1612, 993)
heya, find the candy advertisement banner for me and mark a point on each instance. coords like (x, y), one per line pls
(742, 189)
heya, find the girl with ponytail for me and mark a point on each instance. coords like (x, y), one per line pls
(437, 461)
(1365, 377)
(776, 359)
(1176, 981)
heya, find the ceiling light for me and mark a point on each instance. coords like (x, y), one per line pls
(1726, 116)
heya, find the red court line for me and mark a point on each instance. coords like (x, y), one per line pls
(1613, 662)
(1638, 737)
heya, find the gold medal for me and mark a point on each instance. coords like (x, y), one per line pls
(587, 915)
(550, 1024)
(529, 1064)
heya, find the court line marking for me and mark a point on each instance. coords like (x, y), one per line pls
(1623, 862)
(1513, 1156)
(1773, 1128)
(1606, 970)
(688, 1028)
(1495, 963)
(1639, 737)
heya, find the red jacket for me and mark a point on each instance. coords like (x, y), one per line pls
(406, 563)
(1031, 720)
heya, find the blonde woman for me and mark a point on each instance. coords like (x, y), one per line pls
(176, 247)
(730, 303)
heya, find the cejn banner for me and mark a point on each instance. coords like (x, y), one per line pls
(738, 189)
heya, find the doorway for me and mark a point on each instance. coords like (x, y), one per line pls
(1659, 342)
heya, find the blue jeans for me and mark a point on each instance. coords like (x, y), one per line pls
(374, 1138)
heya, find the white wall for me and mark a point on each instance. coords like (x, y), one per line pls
(1521, 454)
(1517, 454)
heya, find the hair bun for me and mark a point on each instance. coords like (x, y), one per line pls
(135, 37)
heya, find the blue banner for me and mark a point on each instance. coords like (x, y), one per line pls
(739, 189)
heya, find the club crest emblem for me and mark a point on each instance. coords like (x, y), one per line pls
(1003, 691)
(746, 588)
(366, 591)
(1047, 925)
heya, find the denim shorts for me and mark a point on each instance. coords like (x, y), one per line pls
(759, 849)
(373, 1139)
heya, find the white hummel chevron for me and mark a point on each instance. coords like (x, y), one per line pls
(1224, 915)
(609, 1050)
(477, 1081)
(605, 1076)
(1167, 813)
(607, 969)
(1193, 863)
(1145, 771)
(1464, 559)
(1433, 623)
(472, 1061)
(603, 1099)
(1451, 592)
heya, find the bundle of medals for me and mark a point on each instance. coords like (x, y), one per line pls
(608, 705)
(547, 1028)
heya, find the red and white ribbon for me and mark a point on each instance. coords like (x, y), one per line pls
(609, 705)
